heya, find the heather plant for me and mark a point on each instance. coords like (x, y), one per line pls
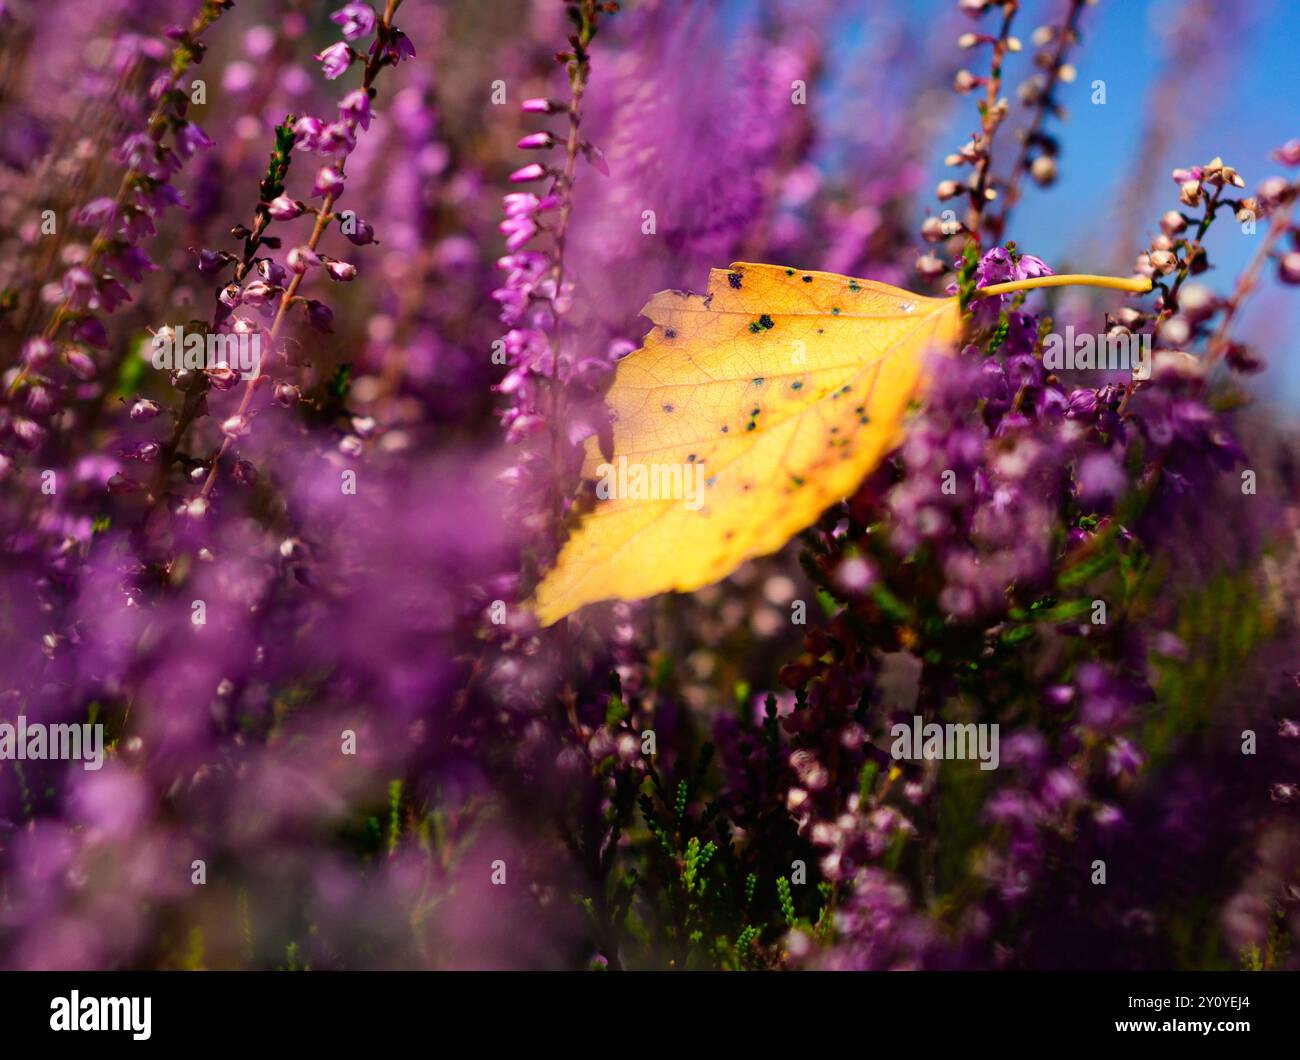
(1019, 692)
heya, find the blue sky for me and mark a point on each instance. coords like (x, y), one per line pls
(1240, 103)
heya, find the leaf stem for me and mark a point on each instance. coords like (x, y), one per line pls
(1136, 284)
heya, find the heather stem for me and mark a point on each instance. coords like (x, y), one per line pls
(323, 218)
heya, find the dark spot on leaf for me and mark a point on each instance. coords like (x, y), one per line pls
(668, 408)
(766, 321)
(789, 272)
(835, 310)
(807, 279)
(853, 285)
(758, 381)
(669, 333)
(797, 385)
(733, 278)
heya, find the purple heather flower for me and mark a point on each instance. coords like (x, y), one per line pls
(191, 138)
(272, 272)
(78, 286)
(320, 316)
(91, 331)
(360, 232)
(100, 213)
(397, 48)
(212, 261)
(111, 294)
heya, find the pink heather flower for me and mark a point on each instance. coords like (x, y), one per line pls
(541, 105)
(283, 208)
(230, 296)
(341, 270)
(532, 171)
(338, 138)
(28, 433)
(518, 231)
(80, 364)
(1289, 153)
(357, 20)
(538, 141)
(223, 377)
(41, 401)
(306, 131)
(300, 259)
(335, 60)
(329, 181)
(355, 107)
(287, 394)
(37, 352)
(1289, 268)
(144, 409)
(259, 292)
(520, 204)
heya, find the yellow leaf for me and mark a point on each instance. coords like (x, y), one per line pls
(745, 414)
